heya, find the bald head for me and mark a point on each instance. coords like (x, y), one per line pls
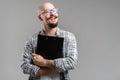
(46, 6)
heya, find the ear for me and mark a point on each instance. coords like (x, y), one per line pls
(40, 17)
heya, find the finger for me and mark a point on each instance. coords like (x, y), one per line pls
(34, 58)
(33, 54)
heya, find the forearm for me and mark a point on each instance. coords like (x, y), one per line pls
(49, 64)
(46, 71)
(42, 62)
(46, 66)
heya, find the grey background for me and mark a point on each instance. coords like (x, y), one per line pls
(96, 24)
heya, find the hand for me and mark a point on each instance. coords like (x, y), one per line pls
(38, 60)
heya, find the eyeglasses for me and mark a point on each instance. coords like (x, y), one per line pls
(48, 11)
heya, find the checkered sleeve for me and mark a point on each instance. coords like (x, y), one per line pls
(70, 51)
(27, 66)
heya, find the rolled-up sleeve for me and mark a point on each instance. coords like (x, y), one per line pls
(70, 59)
(27, 66)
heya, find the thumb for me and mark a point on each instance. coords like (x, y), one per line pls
(33, 54)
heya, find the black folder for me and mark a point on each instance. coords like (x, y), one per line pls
(50, 47)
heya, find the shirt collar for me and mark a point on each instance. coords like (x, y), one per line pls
(57, 33)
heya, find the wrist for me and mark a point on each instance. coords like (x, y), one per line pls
(50, 63)
(45, 62)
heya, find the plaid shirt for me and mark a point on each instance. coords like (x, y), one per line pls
(63, 65)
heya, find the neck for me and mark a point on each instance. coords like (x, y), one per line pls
(50, 31)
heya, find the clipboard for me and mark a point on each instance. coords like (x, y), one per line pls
(50, 47)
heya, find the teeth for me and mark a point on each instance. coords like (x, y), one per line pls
(52, 18)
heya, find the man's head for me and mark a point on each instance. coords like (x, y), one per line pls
(48, 15)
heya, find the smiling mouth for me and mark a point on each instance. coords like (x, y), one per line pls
(53, 17)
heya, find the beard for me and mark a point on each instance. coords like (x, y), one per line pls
(52, 25)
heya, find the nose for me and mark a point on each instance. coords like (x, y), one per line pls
(52, 12)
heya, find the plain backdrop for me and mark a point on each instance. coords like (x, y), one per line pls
(95, 23)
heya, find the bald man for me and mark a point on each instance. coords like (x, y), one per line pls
(45, 69)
